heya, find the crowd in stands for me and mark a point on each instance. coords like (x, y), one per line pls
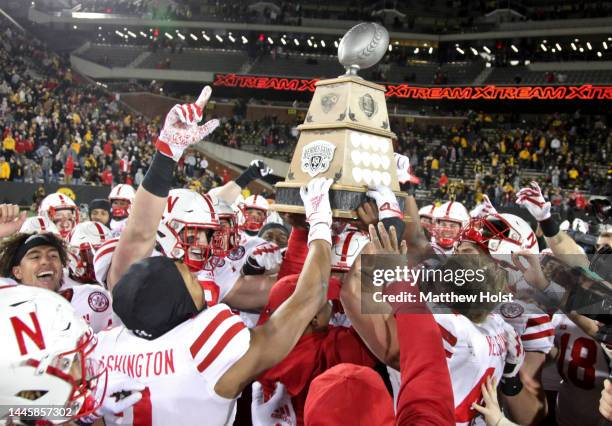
(56, 129)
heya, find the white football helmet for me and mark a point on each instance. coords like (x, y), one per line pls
(52, 206)
(449, 219)
(121, 192)
(347, 246)
(250, 222)
(426, 216)
(45, 357)
(85, 239)
(39, 224)
(580, 226)
(501, 234)
(187, 218)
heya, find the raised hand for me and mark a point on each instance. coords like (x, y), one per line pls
(386, 202)
(10, 219)
(532, 199)
(181, 128)
(483, 209)
(315, 196)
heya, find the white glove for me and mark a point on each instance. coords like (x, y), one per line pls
(315, 196)
(483, 209)
(113, 403)
(265, 256)
(404, 172)
(277, 411)
(532, 198)
(181, 128)
(516, 353)
(386, 201)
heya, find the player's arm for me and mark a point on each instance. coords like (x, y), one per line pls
(529, 406)
(561, 244)
(377, 330)
(180, 130)
(272, 341)
(250, 293)
(232, 190)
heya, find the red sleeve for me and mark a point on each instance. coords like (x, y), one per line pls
(343, 345)
(426, 395)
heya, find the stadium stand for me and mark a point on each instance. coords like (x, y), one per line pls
(113, 56)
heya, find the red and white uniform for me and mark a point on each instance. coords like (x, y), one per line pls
(103, 258)
(532, 324)
(583, 367)
(473, 353)
(92, 302)
(117, 226)
(179, 369)
(218, 282)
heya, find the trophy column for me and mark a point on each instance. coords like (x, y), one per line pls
(346, 134)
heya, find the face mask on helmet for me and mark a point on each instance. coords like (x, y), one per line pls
(254, 219)
(446, 232)
(120, 209)
(203, 247)
(65, 219)
(228, 234)
(85, 377)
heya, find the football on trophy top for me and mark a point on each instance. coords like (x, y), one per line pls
(346, 134)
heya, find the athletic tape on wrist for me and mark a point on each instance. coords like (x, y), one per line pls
(158, 180)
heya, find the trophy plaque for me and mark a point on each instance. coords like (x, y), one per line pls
(346, 134)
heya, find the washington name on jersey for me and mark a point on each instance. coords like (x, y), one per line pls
(179, 369)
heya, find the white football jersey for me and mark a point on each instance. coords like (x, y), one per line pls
(217, 282)
(531, 323)
(179, 369)
(583, 367)
(473, 353)
(92, 302)
(103, 258)
(117, 226)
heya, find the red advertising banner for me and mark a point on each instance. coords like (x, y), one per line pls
(406, 91)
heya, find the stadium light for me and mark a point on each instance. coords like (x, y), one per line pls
(589, 46)
(169, 36)
(474, 51)
(309, 42)
(460, 50)
(605, 45)
(218, 37)
(143, 34)
(119, 33)
(554, 50)
(283, 41)
(295, 40)
(336, 43)
(390, 47)
(99, 28)
(486, 49)
(416, 50)
(205, 36)
(270, 40)
(244, 40)
(513, 47)
(514, 63)
(581, 50)
(132, 34)
(543, 47)
(316, 46)
(599, 54)
(558, 46)
(232, 39)
(75, 27)
(574, 46)
(322, 43)
(193, 36)
(181, 36)
(430, 50)
(488, 64)
(527, 62)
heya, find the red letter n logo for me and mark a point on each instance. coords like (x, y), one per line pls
(34, 334)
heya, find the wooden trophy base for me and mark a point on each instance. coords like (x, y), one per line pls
(344, 199)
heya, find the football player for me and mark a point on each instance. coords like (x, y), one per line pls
(61, 210)
(449, 219)
(121, 198)
(46, 361)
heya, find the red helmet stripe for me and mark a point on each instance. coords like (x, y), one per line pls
(41, 222)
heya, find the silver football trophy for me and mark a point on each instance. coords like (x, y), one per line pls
(346, 135)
